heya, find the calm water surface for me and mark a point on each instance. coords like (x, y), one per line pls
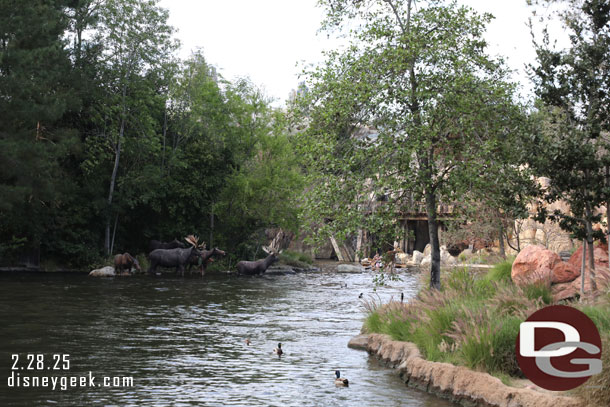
(182, 339)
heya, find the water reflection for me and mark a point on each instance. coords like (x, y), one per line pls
(182, 340)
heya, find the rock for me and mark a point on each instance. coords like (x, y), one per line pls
(446, 259)
(107, 271)
(600, 253)
(417, 257)
(564, 272)
(426, 260)
(358, 342)
(427, 250)
(534, 264)
(350, 268)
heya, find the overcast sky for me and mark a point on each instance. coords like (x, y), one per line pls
(268, 40)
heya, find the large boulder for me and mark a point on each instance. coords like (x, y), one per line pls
(534, 264)
(600, 254)
(417, 257)
(107, 271)
(564, 272)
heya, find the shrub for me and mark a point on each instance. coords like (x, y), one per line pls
(295, 259)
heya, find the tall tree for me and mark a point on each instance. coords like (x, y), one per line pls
(137, 55)
(573, 85)
(35, 93)
(441, 108)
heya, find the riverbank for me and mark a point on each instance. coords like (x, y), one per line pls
(456, 383)
(474, 321)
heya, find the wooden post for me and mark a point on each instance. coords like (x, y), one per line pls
(337, 248)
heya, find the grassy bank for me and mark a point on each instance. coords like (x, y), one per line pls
(474, 320)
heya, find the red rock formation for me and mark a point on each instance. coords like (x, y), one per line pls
(534, 264)
(564, 272)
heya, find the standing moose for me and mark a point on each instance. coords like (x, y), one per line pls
(174, 257)
(206, 257)
(259, 266)
(127, 261)
(174, 244)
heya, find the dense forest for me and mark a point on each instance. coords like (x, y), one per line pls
(107, 140)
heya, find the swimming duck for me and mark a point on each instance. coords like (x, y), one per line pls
(247, 341)
(361, 295)
(278, 351)
(340, 381)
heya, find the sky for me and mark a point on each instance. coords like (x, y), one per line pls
(269, 41)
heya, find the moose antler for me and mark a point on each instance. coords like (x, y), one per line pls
(194, 241)
(276, 242)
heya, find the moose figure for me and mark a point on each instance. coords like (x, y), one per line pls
(177, 257)
(174, 244)
(206, 258)
(259, 266)
(127, 261)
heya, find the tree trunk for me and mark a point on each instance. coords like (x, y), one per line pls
(501, 241)
(435, 253)
(583, 268)
(115, 170)
(589, 227)
(608, 211)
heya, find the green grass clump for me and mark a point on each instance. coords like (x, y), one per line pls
(296, 259)
(538, 291)
(500, 272)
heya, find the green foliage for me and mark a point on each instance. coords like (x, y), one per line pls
(501, 271)
(572, 116)
(101, 124)
(413, 111)
(473, 321)
(538, 291)
(296, 259)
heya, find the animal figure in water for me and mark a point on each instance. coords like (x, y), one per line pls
(340, 381)
(125, 261)
(177, 258)
(278, 351)
(174, 244)
(260, 266)
(206, 258)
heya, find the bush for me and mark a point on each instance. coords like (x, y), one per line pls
(295, 259)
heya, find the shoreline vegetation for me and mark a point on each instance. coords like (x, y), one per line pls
(474, 321)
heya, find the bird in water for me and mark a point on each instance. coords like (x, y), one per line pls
(402, 297)
(247, 341)
(278, 351)
(361, 295)
(340, 381)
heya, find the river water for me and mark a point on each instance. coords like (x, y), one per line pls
(182, 340)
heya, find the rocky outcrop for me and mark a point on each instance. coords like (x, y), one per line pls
(600, 253)
(107, 271)
(456, 383)
(534, 265)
